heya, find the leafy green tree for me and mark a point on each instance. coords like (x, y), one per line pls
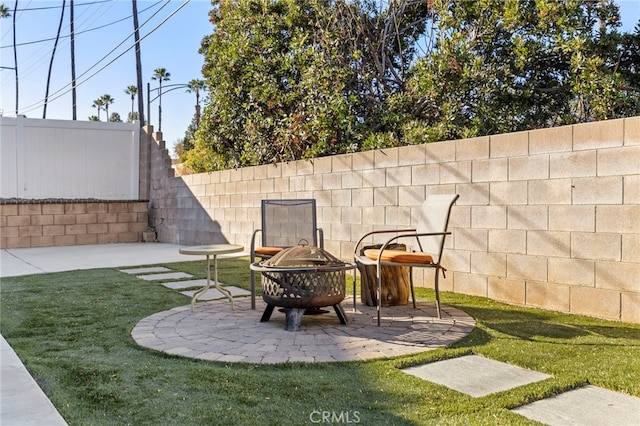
(624, 60)
(292, 79)
(186, 144)
(503, 66)
(93, 118)
(131, 117)
(115, 118)
(298, 79)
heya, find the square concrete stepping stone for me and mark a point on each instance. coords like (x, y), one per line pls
(475, 375)
(166, 276)
(180, 285)
(214, 294)
(148, 270)
(585, 406)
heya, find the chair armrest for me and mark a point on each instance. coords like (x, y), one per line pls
(253, 243)
(368, 234)
(411, 235)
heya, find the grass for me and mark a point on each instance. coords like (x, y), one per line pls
(72, 331)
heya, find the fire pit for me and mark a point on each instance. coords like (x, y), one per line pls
(301, 280)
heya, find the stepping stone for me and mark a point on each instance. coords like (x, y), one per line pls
(180, 285)
(585, 406)
(213, 293)
(475, 375)
(168, 276)
(145, 270)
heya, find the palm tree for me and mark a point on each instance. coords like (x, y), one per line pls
(136, 37)
(72, 33)
(197, 86)
(4, 11)
(99, 104)
(131, 91)
(15, 53)
(107, 100)
(53, 54)
(161, 75)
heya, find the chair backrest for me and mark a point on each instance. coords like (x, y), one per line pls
(286, 222)
(434, 217)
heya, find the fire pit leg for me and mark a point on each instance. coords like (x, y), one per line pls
(342, 316)
(294, 318)
(266, 315)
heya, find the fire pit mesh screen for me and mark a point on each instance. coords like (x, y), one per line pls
(303, 277)
(296, 285)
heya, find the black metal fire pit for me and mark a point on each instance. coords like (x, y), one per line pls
(301, 280)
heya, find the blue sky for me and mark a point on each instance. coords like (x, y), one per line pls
(172, 45)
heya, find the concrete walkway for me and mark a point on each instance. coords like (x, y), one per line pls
(181, 332)
(44, 260)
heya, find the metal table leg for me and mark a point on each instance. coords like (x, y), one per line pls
(216, 284)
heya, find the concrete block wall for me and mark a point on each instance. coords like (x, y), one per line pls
(39, 224)
(548, 218)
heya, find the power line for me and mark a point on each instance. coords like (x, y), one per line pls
(37, 63)
(37, 104)
(59, 7)
(26, 43)
(59, 95)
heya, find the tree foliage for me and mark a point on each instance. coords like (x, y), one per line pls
(503, 66)
(291, 79)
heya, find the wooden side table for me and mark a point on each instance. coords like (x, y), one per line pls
(211, 250)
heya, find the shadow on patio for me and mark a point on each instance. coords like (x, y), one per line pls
(216, 332)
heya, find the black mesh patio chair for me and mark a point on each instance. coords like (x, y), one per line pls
(285, 223)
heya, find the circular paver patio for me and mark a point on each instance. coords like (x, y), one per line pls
(216, 332)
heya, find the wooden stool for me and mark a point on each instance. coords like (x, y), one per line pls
(395, 281)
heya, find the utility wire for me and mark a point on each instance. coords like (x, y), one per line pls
(34, 65)
(59, 95)
(26, 43)
(37, 104)
(58, 7)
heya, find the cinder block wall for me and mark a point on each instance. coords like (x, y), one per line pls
(36, 224)
(547, 218)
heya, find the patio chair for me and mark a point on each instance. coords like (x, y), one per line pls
(429, 237)
(285, 223)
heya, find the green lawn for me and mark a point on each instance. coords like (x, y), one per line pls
(72, 331)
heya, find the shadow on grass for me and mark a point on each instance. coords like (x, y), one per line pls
(529, 325)
(72, 330)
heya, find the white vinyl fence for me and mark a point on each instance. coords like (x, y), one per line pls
(61, 159)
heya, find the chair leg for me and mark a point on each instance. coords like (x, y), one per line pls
(253, 289)
(437, 290)
(413, 294)
(354, 290)
(379, 295)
